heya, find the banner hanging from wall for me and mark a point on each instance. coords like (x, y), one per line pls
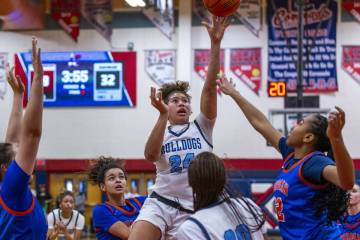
(99, 15)
(160, 65)
(249, 13)
(319, 44)
(352, 7)
(67, 14)
(3, 84)
(200, 10)
(161, 14)
(201, 62)
(245, 63)
(351, 61)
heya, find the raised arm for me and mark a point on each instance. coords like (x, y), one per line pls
(256, 118)
(14, 124)
(343, 174)
(208, 102)
(154, 143)
(31, 126)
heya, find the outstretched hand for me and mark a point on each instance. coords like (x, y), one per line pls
(16, 84)
(226, 86)
(217, 28)
(36, 61)
(336, 122)
(157, 101)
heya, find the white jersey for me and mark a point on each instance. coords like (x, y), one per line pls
(181, 144)
(75, 222)
(218, 222)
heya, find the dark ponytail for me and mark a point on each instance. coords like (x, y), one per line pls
(207, 177)
(332, 199)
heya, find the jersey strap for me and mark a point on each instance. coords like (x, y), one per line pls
(202, 134)
(170, 203)
(202, 228)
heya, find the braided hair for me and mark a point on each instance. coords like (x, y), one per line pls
(332, 199)
(207, 177)
(97, 171)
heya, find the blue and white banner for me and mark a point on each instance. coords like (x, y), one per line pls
(319, 52)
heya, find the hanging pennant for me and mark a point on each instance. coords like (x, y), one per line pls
(67, 14)
(249, 13)
(245, 63)
(99, 14)
(3, 84)
(351, 61)
(352, 7)
(201, 62)
(162, 16)
(160, 65)
(200, 10)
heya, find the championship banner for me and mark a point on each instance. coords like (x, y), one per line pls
(67, 14)
(3, 84)
(249, 13)
(160, 65)
(99, 14)
(245, 63)
(319, 44)
(161, 15)
(352, 7)
(351, 61)
(201, 62)
(200, 10)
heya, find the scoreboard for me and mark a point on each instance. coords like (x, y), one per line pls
(74, 79)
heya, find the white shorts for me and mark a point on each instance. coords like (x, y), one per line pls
(166, 218)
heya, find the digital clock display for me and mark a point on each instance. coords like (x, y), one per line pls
(83, 78)
(277, 89)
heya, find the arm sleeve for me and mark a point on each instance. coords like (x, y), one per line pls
(80, 223)
(313, 169)
(50, 220)
(189, 231)
(285, 150)
(15, 190)
(103, 218)
(206, 125)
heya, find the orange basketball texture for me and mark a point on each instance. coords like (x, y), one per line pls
(222, 8)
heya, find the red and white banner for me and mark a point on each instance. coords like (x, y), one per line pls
(353, 7)
(3, 84)
(245, 63)
(201, 62)
(67, 14)
(351, 61)
(160, 65)
(249, 13)
(99, 14)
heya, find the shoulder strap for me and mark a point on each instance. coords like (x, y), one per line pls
(77, 217)
(109, 208)
(54, 216)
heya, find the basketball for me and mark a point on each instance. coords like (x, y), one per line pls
(222, 8)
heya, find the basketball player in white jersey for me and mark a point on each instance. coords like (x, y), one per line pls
(174, 142)
(217, 215)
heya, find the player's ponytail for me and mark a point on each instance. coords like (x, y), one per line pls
(207, 177)
(331, 200)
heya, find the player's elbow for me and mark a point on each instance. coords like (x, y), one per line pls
(151, 157)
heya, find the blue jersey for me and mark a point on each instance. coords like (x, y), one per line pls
(294, 206)
(350, 227)
(21, 216)
(106, 214)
